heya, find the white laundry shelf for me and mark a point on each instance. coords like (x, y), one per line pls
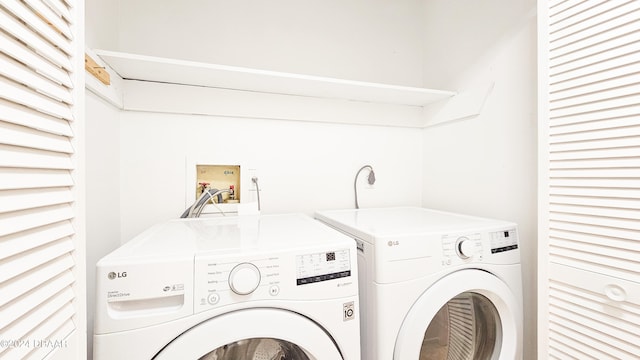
(174, 71)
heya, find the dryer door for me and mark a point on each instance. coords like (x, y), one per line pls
(253, 334)
(467, 315)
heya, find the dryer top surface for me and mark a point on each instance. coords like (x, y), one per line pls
(404, 221)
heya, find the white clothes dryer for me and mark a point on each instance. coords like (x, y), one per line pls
(241, 288)
(435, 285)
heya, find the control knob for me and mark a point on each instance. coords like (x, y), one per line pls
(244, 279)
(465, 247)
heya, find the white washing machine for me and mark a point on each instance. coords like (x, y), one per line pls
(241, 288)
(435, 285)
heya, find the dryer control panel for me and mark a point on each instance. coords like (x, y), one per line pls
(502, 241)
(484, 246)
(457, 248)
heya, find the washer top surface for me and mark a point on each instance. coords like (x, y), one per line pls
(232, 234)
(398, 221)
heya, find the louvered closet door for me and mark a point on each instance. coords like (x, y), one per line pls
(590, 200)
(36, 182)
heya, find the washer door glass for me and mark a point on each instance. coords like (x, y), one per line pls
(253, 334)
(467, 327)
(257, 349)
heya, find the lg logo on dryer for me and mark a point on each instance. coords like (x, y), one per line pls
(393, 243)
(114, 275)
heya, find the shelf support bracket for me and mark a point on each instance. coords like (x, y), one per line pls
(96, 70)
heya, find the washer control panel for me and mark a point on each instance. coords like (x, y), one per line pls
(221, 280)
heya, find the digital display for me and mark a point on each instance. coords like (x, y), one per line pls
(317, 267)
(325, 277)
(502, 241)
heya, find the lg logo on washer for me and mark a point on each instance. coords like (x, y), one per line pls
(393, 243)
(114, 275)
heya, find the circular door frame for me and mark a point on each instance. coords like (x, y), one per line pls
(415, 323)
(248, 324)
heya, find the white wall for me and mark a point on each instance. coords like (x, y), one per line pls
(487, 165)
(302, 166)
(369, 40)
(461, 37)
(101, 30)
(103, 191)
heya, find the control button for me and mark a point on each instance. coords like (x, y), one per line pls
(465, 247)
(274, 290)
(244, 279)
(213, 298)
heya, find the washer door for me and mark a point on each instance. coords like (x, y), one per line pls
(253, 334)
(467, 315)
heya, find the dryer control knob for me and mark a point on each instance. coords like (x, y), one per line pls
(244, 278)
(465, 248)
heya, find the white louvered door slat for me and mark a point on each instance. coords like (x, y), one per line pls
(24, 75)
(622, 45)
(48, 331)
(39, 315)
(628, 194)
(40, 302)
(33, 178)
(29, 118)
(34, 298)
(583, 22)
(17, 157)
(32, 218)
(23, 241)
(51, 16)
(39, 256)
(594, 164)
(16, 28)
(595, 80)
(61, 8)
(589, 257)
(36, 21)
(629, 111)
(26, 137)
(609, 100)
(16, 200)
(20, 285)
(614, 123)
(588, 25)
(12, 47)
(22, 95)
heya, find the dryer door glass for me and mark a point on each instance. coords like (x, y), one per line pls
(467, 327)
(257, 349)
